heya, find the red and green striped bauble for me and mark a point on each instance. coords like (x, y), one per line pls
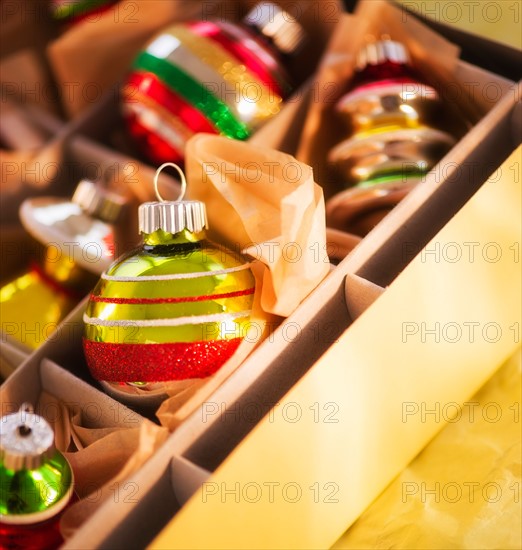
(176, 309)
(203, 76)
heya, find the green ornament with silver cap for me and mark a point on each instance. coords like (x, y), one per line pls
(36, 482)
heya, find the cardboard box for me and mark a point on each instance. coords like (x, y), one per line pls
(345, 360)
(340, 356)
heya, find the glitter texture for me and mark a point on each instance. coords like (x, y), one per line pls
(164, 313)
(178, 300)
(214, 77)
(157, 362)
(239, 51)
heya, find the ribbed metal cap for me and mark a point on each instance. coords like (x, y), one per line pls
(26, 440)
(277, 25)
(375, 53)
(172, 216)
(97, 201)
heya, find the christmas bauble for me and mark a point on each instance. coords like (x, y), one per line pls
(174, 309)
(36, 482)
(209, 76)
(398, 129)
(397, 124)
(78, 236)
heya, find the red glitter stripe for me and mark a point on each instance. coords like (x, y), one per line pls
(244, 55)
(178, 300)
(157, 362)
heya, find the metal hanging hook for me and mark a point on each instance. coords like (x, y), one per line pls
(181, 175)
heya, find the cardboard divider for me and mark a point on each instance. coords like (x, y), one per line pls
(18, 129)
(226, 422)
(26, 25)
(477, 50)
(187, 478)
(283, 132)
(260, 395)
(184, 463)
(11, 357)
(379, 257)
(126, 528)
(50, 170)
(25, 76)
(162, 494)
(132, 178)
(340, 244)
(98, 410)
(360, 294)
(368, 375)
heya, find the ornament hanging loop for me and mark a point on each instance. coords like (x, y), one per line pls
(182, 178)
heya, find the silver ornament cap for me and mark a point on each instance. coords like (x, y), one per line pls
(172, 216)
(26, 440)
(375, 53)
(97, 201)
(277, 25)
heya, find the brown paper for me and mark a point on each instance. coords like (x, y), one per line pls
(27, 174)
(266, 203)
(26, 24)
(28, 158)
(26, 77)
(101, 458)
